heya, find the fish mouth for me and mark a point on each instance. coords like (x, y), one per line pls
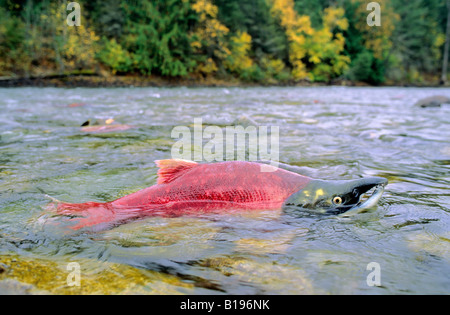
(369, 193)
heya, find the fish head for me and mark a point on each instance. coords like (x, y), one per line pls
(337, 197)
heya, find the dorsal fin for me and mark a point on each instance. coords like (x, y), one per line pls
(172, 168)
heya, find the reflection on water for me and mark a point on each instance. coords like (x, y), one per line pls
(325, 132)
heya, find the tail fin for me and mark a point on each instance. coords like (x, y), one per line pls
(80, 215)
(97, 216)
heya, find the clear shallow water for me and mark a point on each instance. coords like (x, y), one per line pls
(327, 132)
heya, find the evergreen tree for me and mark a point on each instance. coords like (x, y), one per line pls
(109, 16)
(254, 18)
(156, 36)
(417, 40)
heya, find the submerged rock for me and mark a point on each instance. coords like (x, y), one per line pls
(40, 276)
(433, 101)
(437, 245)
(244, 121)
(14, 287)
(261, 277)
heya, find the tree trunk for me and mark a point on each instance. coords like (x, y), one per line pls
(447, 43)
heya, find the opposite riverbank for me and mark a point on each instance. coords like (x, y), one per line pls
(96, 80)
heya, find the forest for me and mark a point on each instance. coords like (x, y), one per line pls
(244, 41)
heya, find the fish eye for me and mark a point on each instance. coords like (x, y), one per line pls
(337, 200)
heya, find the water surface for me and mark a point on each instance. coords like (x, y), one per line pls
(326, 132)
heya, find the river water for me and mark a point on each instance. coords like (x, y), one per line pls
(401, 246)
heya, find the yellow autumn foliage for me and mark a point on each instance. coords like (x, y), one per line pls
(207, 67)
(77, 44)
(272, 65)
(334, 17)
(323, 46)
(377, 39)
(205, 8)
(296, 28)
(80, 48)
(239, 60)
(327, 45)
(209, 36)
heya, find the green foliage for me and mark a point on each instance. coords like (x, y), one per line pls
(266, 41)
(109, 16)
(12, 35)
(275, 70)
(254, 18)
(114, 56)
(418, 38)
(208, 38)
(313, 9)
(366, 68)
(156, 36)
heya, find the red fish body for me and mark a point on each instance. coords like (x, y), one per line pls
(105, 128)
(186, 187)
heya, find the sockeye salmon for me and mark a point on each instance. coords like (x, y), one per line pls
(186, 187)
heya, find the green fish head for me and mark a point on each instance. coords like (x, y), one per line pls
(336, 197)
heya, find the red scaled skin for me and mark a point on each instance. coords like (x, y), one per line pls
(189, 188)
